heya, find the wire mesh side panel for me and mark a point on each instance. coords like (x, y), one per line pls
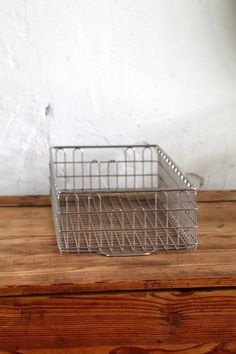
(113, 168)
(169, 175)
(121, 200)
(179, 208)
(126, 224)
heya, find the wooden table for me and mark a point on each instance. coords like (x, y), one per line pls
(164, 303)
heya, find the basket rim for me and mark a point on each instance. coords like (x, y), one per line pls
(163, 154)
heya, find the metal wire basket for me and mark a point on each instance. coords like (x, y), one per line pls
(120, 201)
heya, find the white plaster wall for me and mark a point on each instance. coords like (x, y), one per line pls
(117, 71)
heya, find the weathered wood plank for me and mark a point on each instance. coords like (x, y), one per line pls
(122, 323)
(30, 262)
(217, 196)
(118, 320)
(44, 200)
(26, 221)
(25, 200)
(206, 348)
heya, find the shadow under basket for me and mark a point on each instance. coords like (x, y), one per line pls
(120, 201)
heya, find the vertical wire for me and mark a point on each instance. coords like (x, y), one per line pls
(134, 165)
(70, 226)
(126, 171)
(128, 163)
(108, 174)
(168, 236)
(67, 223)
(65, 170)
(99, 174)
(117, 176)
(114, 231)
(80, 163)
(73, 167)
(78, 223)
(143, 224)
(144, 162)
(82, 167)
(125, 214)
(178, 222)
(99, 213)
(56, 162)
(90, 222)
(148, 218)
(92, 163)
(143, 176)
(152, 176)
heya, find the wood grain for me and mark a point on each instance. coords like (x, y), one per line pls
(217, 196)
(25, 200)
(30, 262)
(44, 200)
(118, 320)
(206, 348)
(95, 304)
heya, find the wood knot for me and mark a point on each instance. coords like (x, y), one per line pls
(174, 319)
(221, 226)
